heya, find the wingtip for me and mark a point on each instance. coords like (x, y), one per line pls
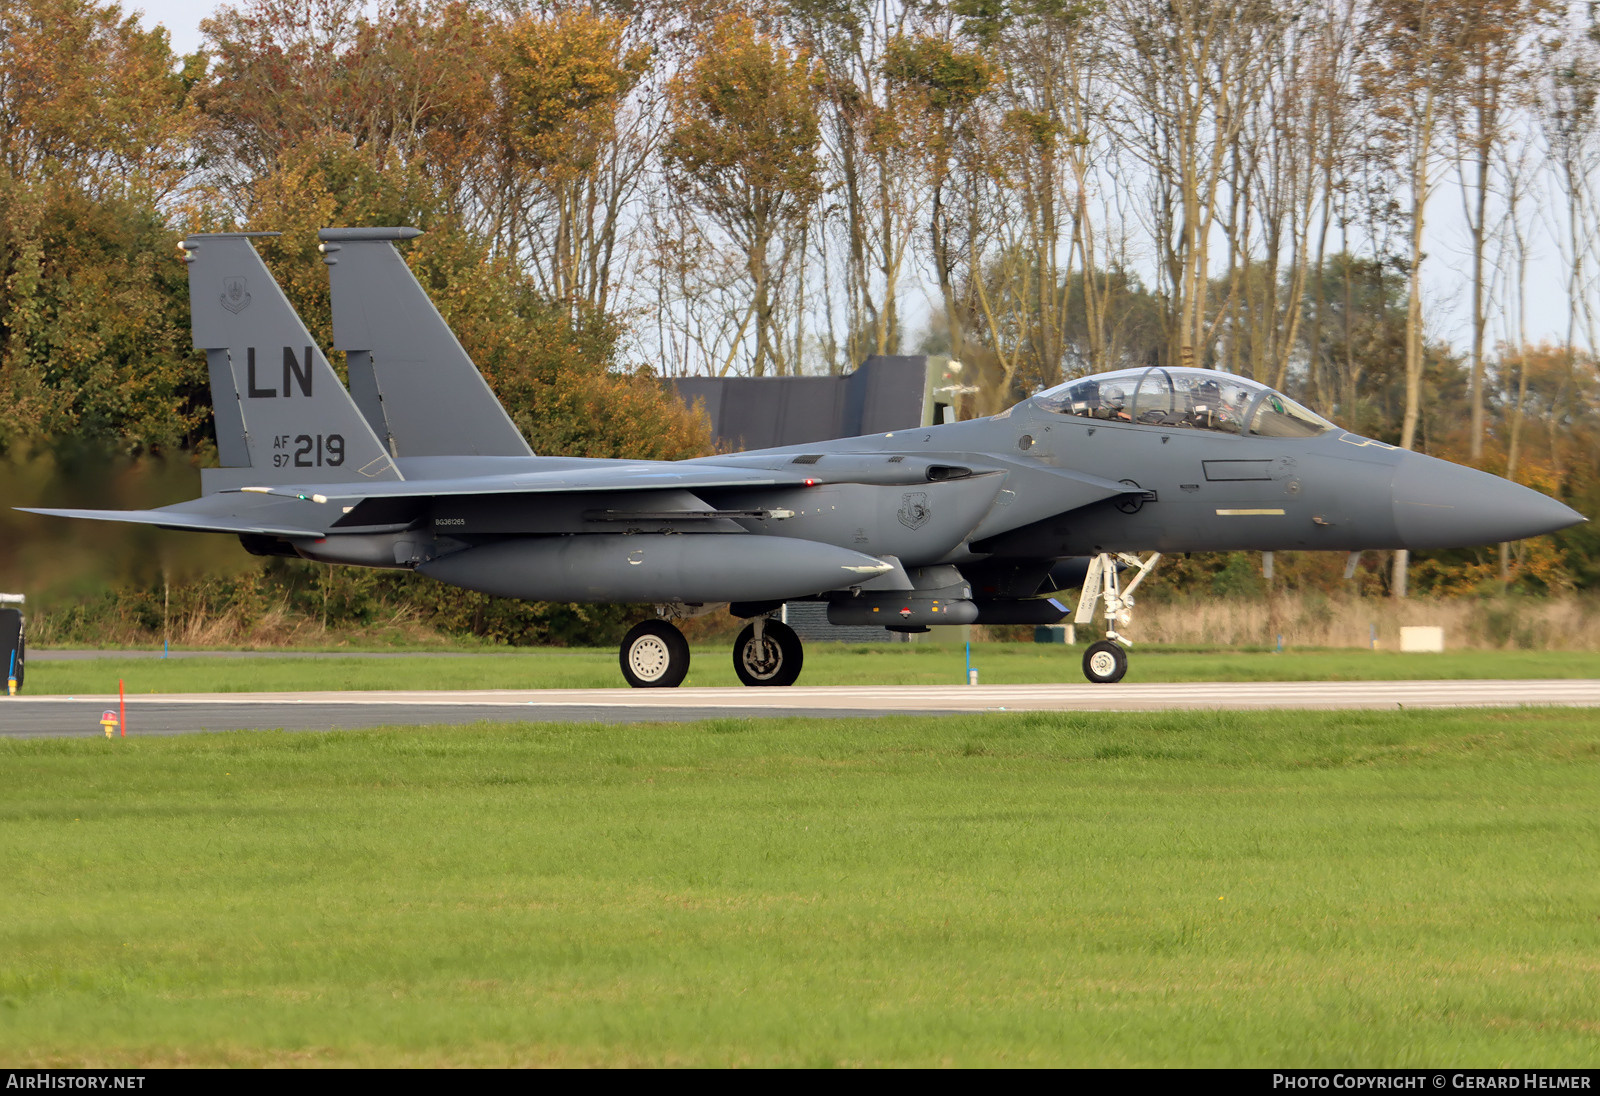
(348, 235)
(194, 239)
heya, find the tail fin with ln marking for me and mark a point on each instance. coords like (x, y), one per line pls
(409, 375)
(282, 415)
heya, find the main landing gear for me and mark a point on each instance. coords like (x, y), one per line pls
(655, 655)
(1105, 661)
(767, 652)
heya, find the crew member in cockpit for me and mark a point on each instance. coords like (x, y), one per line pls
(1115, 402)
(1207, 404)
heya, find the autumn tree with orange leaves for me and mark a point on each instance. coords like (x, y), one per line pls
(743, 150)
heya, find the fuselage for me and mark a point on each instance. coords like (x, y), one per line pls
(1035, 482)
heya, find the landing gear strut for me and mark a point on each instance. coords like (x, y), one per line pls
(1105, 661)
(767, 652)
(654, 656)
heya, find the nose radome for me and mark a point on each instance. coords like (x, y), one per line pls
(1442, 505)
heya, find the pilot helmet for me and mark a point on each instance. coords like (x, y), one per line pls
(1113, 396)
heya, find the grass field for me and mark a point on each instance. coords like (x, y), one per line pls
(826, 664)
(1415, 888)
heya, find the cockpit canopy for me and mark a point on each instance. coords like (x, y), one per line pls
(1192, 399)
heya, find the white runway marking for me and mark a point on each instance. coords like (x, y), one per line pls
(1124, 696)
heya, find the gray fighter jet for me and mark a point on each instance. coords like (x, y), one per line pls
(418, 467)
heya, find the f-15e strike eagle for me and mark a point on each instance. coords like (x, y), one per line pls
(417, 466)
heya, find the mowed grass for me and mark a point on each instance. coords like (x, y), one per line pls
(1251, 889)
(825, 664)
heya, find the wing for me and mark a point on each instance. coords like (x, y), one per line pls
(656, 490)
(313, 510)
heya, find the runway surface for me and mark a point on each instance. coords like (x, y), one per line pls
(59, 716)
(154, 655)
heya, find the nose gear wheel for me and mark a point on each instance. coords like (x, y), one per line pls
(1104, 662)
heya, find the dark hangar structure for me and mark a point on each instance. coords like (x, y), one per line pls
(886, 392)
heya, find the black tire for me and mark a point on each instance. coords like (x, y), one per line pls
(1104, 663)
(654, 655)
(775, 661)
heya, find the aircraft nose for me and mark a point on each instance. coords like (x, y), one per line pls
(1442, 505)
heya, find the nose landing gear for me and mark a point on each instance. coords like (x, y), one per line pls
(1105, 661)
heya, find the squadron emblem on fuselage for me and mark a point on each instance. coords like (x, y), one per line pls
(914, 511)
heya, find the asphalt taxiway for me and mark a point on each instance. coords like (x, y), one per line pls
(61, 716)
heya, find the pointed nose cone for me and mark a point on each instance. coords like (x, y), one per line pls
(1442, 505)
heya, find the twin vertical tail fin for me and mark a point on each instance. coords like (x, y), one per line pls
(282, 415)
(409, 375)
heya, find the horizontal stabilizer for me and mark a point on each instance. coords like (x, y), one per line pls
(187, 521)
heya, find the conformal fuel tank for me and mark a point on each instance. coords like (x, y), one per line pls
(692, 567)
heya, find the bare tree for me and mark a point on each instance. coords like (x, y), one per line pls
(1333, 115)
(1568, 116)
(870, 138)
(1515, 167)
(1275, 186)
(1497, 39)
(1411, 79)
(1192, 71)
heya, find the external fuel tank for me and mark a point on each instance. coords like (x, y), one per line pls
(686, 567)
